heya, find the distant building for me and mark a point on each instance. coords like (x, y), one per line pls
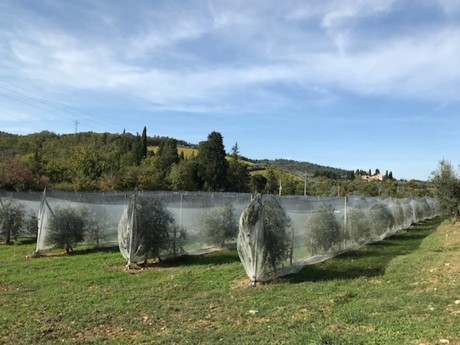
(376, 177)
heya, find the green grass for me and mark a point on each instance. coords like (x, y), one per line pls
(393, 292)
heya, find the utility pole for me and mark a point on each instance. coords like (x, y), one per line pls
(76, 126)
(305, 185)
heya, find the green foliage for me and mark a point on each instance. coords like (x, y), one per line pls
(213, 163)
(358, 226)
(238, 174)
(398, 214)
(323, 230)
(185, 176)
(447, 184)
(11, 219)
(272, 185)
(66, 228)
(258, 183)
(221, 225)
(30, 225)
(154, 225)
(381, 218)
(276, 234)
(94, 227)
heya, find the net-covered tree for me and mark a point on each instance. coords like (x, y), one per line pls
(154, 223)
(358, 227)
(221, 225)
(30, 225)
(381, 219)
(323, 230)
(66, 228)
(11, 219)
(213, 163)
(94, 226)
(276, 234)
(447, 184)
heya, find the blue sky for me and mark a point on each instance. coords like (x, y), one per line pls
(346, 83)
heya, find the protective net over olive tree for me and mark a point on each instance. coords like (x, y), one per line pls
(280, 235)
(67, 219)
(18, 215)
(163, 225)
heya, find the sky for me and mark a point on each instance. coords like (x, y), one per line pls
(352, 84)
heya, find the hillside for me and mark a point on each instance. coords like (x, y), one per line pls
(301, 168)
(107, 162)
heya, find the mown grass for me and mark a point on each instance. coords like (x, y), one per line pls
(400, 291)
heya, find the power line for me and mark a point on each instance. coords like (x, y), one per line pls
(30, 98)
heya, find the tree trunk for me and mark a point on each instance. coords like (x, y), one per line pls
(8, 236)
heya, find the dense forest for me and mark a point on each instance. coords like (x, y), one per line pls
(114, 162)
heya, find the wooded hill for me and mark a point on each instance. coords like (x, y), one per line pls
(108, 162)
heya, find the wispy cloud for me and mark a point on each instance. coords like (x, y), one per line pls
(231, 56)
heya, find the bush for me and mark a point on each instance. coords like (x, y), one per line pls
(94, 228)
(154, 224)
(358, 226)
(276, 236)
(66, 228)
(381, 219)
(30, 225)
(11, 219)
(323, 230)
(221, 225)
(398, 215)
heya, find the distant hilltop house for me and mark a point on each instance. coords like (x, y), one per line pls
(376, 177)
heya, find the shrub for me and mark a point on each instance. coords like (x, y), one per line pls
(221, 225)
(11, 219)
(30, 225)
(66, 228)
(358, 226)
(398, 215)
(94, 228)
(323, 230)
(381, 219)
(154, 223)
(276, 236)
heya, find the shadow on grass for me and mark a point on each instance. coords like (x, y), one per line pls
(222, 257)
(77, 251)
(369, 261)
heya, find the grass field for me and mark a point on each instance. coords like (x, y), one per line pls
(404, 290)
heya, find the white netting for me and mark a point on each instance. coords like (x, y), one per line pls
(316, 229)
(29, 203)
(275, 235)
(159, 225)
(100, 213)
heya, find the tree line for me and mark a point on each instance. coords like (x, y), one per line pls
(114, 162)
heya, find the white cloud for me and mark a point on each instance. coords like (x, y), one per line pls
(151, 61)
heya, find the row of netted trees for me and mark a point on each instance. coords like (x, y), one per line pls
(275, 235)
(16, 221)
(279, 235)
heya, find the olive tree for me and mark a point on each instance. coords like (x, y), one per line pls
(94, 226)
(276, 233)
(447, 184)
(221, 225)
(66, 228)
(381, 218)
(323, 230)
(358, 226)
(11, 219)
(154, 224)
